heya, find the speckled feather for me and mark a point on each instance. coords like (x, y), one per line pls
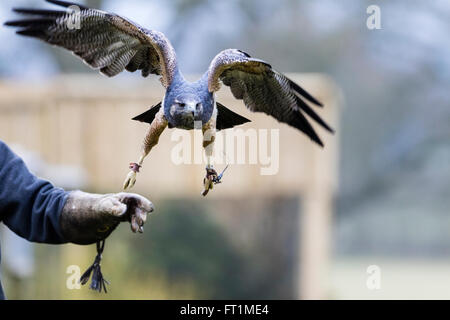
(104, 41)
(264, 90)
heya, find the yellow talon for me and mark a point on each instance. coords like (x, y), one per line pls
(130, 180)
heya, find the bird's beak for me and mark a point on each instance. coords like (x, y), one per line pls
(191, 108)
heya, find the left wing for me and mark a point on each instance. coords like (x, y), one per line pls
(264, 90)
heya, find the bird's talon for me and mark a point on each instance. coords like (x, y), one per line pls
(130, 180)
(209, 180)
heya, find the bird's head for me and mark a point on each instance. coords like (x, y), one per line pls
(185, 109)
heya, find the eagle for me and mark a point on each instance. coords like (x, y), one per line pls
(111, 44)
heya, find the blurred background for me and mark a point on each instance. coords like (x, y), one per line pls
(377, 195)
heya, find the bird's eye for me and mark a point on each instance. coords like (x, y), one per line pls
(182, 104)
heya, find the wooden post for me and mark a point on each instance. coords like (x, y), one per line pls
(316, 208)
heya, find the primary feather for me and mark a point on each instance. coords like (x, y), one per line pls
(105, 41)
(264, 90)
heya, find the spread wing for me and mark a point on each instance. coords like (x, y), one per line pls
(105, 41)
(264, 90)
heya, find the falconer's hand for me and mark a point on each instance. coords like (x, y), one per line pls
(87, 218)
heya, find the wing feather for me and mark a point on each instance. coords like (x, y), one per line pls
(105, 41)
(264, 90)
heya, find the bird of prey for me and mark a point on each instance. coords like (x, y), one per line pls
(111, 44)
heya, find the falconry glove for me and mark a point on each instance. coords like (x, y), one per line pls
(87, 218)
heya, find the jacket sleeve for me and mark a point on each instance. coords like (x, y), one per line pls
(29, 206)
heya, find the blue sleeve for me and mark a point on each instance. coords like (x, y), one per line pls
(29, 206)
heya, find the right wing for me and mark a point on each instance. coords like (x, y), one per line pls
(105, 41)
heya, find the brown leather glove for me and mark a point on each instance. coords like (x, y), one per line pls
(87, 218)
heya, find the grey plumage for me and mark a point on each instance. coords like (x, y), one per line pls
(104, 41)
(111, 43)
(264, 90)
(226, 118)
